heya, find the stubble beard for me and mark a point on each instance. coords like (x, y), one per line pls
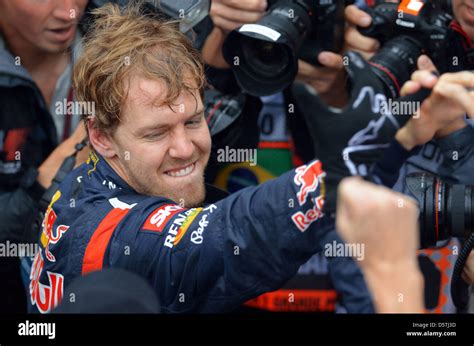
(189, 198)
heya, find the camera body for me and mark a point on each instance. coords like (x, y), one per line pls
(264, 56)
(425, 23)
(412, 28)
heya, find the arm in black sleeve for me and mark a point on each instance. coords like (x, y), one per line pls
(18, 214)
(458, 153)
(19, 190)
(386, 170)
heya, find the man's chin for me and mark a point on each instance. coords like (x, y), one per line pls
(195, 204)
(188, 196)
(190, 200)
(56, 48)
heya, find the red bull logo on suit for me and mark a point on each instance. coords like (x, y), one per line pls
(309, 178)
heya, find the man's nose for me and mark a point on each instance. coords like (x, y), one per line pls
(66, 10)
(181, 146)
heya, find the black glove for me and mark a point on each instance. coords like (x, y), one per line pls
(351, 140)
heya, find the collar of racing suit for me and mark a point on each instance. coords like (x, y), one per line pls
(104, 174)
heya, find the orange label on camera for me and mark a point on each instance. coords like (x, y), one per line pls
(411, 6)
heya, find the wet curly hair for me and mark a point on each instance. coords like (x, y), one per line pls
(123, 41)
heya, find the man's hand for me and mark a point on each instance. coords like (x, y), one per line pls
(329, 80)
(354, 40)
(468, 272)
(385, 222)
(228, 15)
(50, 166)
(443, 112)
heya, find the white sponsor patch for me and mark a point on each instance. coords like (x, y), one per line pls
(197, 235)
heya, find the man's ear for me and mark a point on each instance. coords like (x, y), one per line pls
(102, 142)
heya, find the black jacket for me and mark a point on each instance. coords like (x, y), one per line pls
(27, 137)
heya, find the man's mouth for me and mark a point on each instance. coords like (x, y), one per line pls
(62, 34)
(181, 171)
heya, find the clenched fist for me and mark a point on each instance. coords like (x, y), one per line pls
(385, 223)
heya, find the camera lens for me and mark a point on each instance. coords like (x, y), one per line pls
(395, 63)
(266, 59)
(267, 51)
(445, 210)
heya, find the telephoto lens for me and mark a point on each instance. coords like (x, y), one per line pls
(395, 62)
(264, 55)
(446, 210)
(266, 52)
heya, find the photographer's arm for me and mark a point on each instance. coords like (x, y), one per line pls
(440, 113)
(441, 116)
(328, 80)
(48, 169)
(443, 111)
(458, 153)
(413, 134)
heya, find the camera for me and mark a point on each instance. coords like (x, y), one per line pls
(264, 55)
(445, 210)
(412, 28)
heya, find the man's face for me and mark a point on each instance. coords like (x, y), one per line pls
(162, 151)
(464, 13)
(47, 25)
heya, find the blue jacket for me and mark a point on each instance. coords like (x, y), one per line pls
(451, 158)
(208, 259)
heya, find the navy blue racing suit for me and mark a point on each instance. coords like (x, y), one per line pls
(207, 259)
